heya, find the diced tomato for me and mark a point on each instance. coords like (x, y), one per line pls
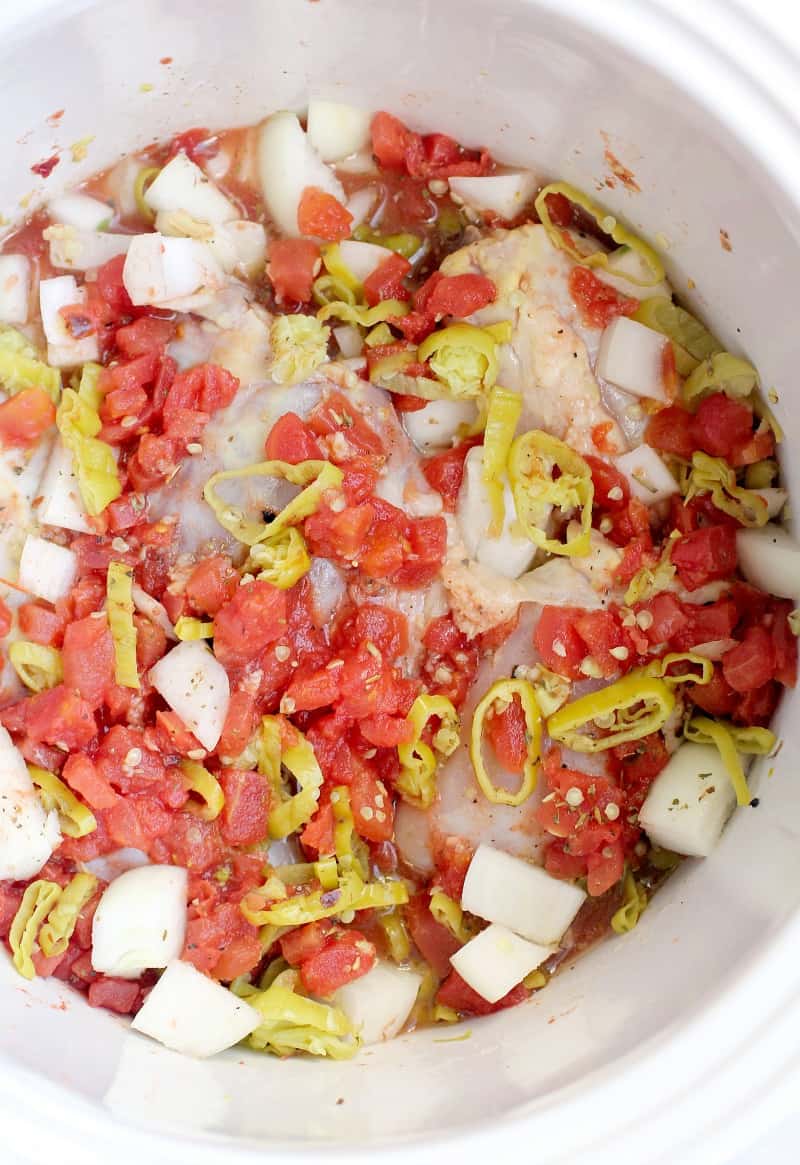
(432, 939)
(144, 335)
(24, 417)
(751, 663)
(316, 689)
(757, 706)
(506, 732)
(88, 659)
(111, 287)
(60, 716)
(290, 439)
(717, 697)
(611, 488)
(292, 267)
(557, 641)
(39, 623)
(81, 775)
(244, 814)
(638, 553)
(636, 765)
(191, 842)
(670, 431)
(721, 424)
(306, 941)
(203, 389)
(322, 216)
(632, 522)
(386, 281)
(559, 862)
(117, 995)
(198, 144)
(454, 295)
(243, 627)
(318, 834)
(451, 660)
(336, 414)
(455, 993)
(705, 555)
(598, 302)
(759, 445)
(668, 617)
(345, 957)
(391, 141)
(382, 626)
(445, 471)
(603, 634)
(373, 812)
(6, 620)
(386, 731)
(240, 723)
(785, 644)
(338, 535)
(152, 463)
(221, 942)
(605, 868)
(212, 584)
(559, 208)
(707, 623)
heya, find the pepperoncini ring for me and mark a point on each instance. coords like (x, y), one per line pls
(651, 700)
(531, 462)
(505, 690)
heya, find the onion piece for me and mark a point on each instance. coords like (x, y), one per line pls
(63, 349)
(190, 1013)
(503, 194)
(775, 498)
(650, 480)
(240, 247)
(437, 425)
(196, 687)
(47, 570)
(159, 270)
(182, 185)
(337, 131)
(770, 559)
(287, 164)
(501, 888)
(15, 288)
(631, 357)
(496, 960)
(689, 802)
(79, 210)
(62, 504)
(140, 921)
(83, 250)
(349, 340)
(509, 554)
(713, 649)
(361, 259)
(378, 1004)
(153, 610)
(361, 204)
(28, 835)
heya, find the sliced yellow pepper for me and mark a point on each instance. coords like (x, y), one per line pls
(365, 317)
(397, 938)
(58, 930)
(352, 894)
(21, 368)
(37, 902)
(416, 782)
(660, 668)
(79, 423)
(504, 410)
(634, 904)
(610, 709)
(713, 475)
(565, 241)
(533, 458)
(281, 561)
(691, 340)
(295, 812)
(350, 851)
(463, 357)
(119, 604)
(504, 691)
(449, 913)
(316, 476)
(75, 818)
(721, 373)
(38, 667)
(192, 629)
(143, 179)
(203, 784)
(730, 740)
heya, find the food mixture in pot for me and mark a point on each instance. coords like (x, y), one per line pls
(392, 584)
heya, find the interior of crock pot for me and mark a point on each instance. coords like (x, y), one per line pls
(546, 93)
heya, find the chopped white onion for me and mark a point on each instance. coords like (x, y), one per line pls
(287, 164)
(121, 185)
(361, 259)
(713, 649)
(140, 921)
(378, 1004)
(501, 888)
(649, 478)
(628, 262)
(62, 504)
(328, 587)
(159, 269)
(504, 194)
(196, 687)
(600, 564)
(240, 247)
(182, 185)
(153, 610)
(361, 204)
(557, 583)
(509, 554)
(770, 559)
(775, 498)
(15, 288)
(438, 424)
(63, 349)
(79, 210)
(47, 570)
(631, 356)
(28, 835)
(496, 960)
(190, 1013)
(82, 250)
(349, 340)
(337, 131)
(689, 802)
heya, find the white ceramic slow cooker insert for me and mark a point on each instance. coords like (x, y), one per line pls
(676, 1043)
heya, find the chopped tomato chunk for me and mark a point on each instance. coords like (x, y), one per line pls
(292, 266)
(322, 215)
(24, 417)
(598, 302)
